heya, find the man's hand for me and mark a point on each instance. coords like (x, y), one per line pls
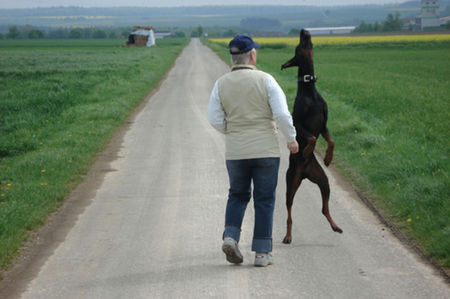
(293, 147)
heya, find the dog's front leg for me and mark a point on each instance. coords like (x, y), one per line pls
(291, 62)
(330, 149)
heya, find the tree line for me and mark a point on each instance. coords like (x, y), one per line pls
(31, 32)
(390, 24)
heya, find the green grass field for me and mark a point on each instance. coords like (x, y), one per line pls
(389, 111)
(60, 102)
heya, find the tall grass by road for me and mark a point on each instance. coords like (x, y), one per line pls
(389, 111)
(60, 102)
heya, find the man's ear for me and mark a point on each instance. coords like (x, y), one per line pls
(253, 56)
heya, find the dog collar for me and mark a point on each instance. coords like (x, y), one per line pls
(307, 78)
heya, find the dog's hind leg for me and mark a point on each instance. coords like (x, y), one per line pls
(293, 181)
(316, 175)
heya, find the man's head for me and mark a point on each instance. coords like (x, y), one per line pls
(242, 50)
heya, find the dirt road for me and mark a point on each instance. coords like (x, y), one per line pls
(152, 227)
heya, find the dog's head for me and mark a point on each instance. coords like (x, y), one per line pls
(303, 54)
(305, 39)
(305, 48)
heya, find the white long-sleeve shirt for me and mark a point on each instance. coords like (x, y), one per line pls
(277, 102)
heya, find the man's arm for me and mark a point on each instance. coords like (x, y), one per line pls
(216, 114)
(281, 114)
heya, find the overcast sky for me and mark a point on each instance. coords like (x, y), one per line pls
(159, 3)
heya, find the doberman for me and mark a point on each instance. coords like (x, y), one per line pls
(310, 119)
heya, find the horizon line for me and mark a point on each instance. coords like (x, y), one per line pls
(208, 5)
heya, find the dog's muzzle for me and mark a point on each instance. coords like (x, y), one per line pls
(307, 78)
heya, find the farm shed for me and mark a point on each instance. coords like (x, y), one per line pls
(142, 36)
(331, 30)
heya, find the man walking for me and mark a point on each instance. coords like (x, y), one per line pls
(247, 106)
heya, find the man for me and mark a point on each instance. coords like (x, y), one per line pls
(243, 105)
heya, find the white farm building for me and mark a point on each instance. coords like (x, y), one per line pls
(429, 16)
(141, 36)
(331, 30)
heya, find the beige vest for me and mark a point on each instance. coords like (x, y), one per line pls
(251, 131)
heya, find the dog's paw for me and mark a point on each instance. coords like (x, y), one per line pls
(337, 229)
(287, 240)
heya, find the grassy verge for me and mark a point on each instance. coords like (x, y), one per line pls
(60, 102)
(388, 113)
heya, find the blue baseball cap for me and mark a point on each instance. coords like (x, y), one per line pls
(241, 44)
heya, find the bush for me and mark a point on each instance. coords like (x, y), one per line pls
(35, 34)
(99, 34)
(179, 34)
(58, 33)
(13, 32)
(76, 33)
(294, 32)
(273, 46)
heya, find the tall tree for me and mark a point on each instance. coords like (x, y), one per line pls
(76, 33)
(393, 23)
(98, 33)
(294, 32)
(200, 31)
(58, 33)
(35, 34)
(13, 32)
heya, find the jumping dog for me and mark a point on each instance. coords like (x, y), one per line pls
(310, 120)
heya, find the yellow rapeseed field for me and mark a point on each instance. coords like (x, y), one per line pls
(344, 40)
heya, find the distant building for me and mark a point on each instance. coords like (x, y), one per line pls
(429, 16)
(444, 21)
(163, 34)
(141, 36)
(409, 24)
(331, 30)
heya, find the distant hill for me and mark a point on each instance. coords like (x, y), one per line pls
(207, 16)
(416, 3)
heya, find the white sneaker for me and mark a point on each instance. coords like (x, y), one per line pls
(263, 259)
(231, 249)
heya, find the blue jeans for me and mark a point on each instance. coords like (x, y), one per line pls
(264, 173)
